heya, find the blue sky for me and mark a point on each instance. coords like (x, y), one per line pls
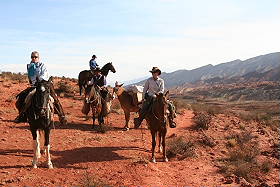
(135, 34)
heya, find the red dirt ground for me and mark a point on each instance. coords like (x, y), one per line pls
(116, 157)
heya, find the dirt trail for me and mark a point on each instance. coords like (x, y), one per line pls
(115, 157)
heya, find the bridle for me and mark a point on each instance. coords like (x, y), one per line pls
(162, 121)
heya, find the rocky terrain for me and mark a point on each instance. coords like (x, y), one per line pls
(206, 149)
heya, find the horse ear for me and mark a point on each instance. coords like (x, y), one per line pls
(121, 85)
(167, 94)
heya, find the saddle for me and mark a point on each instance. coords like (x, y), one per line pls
(136, 98)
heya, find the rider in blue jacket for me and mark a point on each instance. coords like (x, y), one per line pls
(37, 71)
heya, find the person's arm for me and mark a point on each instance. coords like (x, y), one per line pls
(161, 87)
(44, 73)
(146, 87)
(104, 80)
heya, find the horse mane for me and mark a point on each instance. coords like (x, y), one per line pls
(105, 69)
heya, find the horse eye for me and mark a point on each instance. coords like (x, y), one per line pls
(43, 88)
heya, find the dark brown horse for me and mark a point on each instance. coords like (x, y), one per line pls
(100, 106)
(158, 122)
(86, 75)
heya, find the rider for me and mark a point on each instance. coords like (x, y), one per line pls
(37, 72)
(99, 81)
(92, 63)
(152, 86)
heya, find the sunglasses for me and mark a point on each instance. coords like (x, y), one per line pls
(34, 57)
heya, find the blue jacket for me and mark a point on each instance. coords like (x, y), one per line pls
(93, 64)
(37, 70)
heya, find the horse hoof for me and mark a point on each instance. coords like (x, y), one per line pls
(125, 129)
(166, 160)
(50, 166)
(34, 166)
(153, 160)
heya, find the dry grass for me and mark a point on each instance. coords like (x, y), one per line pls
(65, 89)
(201, 120)
(18, 77)
(89, 180)
(181, 105)
(180, 148)
(241, 160)
(208, 108)
(207, 140)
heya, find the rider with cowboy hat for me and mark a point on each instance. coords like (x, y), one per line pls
(154, 85)
(92, 63)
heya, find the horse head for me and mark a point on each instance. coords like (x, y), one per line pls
(108, 67)
(118, 89)
(41, 97)
(160, 106)
(111, 67)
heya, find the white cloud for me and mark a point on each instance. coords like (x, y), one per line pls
(133, 57)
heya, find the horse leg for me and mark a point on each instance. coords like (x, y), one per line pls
(93, 122)
(127, 117)
(36, 147)
(153, 146)
(163, 137)
(47, 148)
(159, 142)
(101, 122)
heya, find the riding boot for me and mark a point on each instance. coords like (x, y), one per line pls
(57, 107)
(142, 113)
(172, 123)
(138, 121)
(21, 118)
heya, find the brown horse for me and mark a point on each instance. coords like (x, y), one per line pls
(157, 122)
(126, 102)
(86, 75)
(95, 100)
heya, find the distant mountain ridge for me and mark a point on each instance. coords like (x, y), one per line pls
(259, 64)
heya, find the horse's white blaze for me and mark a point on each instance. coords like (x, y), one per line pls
(49, 162)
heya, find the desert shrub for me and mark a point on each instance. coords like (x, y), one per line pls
(89, 180)
(207, 140)
(242, 156)
(180, 104)
(180, 148)
(266, 166)
(208, 108)
(63, 87)
(201, 120)
(20, 77)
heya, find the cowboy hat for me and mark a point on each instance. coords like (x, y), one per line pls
(156, 69)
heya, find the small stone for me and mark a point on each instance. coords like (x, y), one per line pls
(263, 184)
(5, 172)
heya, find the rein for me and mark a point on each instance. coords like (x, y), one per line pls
(153, 112)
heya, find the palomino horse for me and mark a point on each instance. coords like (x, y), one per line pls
(86, 75)
(40, 117)
(126, 102)
(95, 100)
(157, 122)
